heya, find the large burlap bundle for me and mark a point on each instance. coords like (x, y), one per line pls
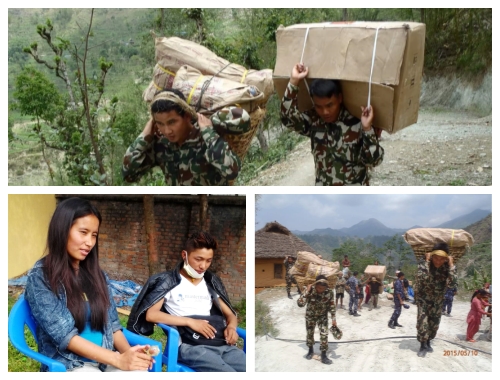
(308, 266)
(423, 239)
(215, 92)
(174, 52)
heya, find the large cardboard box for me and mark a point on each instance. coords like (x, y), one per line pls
(378, 271)
(344, 51)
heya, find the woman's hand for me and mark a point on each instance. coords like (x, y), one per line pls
(231, 335)
(203, 327)
(134, 359)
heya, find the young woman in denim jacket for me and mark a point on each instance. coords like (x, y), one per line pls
(69, 296)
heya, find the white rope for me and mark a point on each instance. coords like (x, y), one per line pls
(302, 62)
(371, 71)
(304, 47)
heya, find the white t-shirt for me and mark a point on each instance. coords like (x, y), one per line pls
(188, 299)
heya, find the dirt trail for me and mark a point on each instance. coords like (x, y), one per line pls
(443, 148)
(398, 353)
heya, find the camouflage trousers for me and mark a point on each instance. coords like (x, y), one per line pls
(289, 281)
(447, 305)
(322, 322)
(428, 319)
(397, 310)
(353, 302)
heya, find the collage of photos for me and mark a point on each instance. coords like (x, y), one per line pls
(357, 236)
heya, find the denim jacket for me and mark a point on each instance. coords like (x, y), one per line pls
(55, 323)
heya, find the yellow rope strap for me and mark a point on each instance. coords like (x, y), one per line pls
(166, 71)
(244, 76)
(194, 88)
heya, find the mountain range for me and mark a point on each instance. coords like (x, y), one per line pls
(373, 227)
(374, 232)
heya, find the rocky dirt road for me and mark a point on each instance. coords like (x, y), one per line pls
(395, 352)
(445, 148)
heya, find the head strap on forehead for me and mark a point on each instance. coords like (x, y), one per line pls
(439, 253)
(172, 97)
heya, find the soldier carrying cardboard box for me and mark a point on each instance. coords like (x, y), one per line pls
(344, 147)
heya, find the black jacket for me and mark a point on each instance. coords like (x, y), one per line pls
(155, 289)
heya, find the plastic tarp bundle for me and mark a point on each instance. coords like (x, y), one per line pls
(124, 292)
(308, 266)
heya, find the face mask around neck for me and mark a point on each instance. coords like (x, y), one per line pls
(190, 271)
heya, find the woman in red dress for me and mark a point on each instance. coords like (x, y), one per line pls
(475, 314)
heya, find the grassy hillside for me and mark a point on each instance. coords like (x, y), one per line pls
(479, 258)
(117, 36)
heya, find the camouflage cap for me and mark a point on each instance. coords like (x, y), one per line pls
(336, 332)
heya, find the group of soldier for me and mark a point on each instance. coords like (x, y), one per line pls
(436, 275)
(190, 150)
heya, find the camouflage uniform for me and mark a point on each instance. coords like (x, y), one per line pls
(318, 306)
(448, 299)
(352, 282)
(429, 296)
(205, 158)
(398, 289)
(342, 151)
(288, 277)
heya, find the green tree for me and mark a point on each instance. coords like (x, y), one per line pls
(37, 96)
(85, 141)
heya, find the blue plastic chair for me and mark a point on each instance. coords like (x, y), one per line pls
(20, 316)
(170, 355)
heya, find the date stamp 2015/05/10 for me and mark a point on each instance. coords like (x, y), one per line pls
(459, 353)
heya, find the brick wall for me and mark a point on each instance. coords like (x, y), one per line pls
(123, 244)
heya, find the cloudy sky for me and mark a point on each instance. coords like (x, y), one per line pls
(307, 212)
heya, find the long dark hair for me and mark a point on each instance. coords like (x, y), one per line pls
(482, 292)
(59, 271)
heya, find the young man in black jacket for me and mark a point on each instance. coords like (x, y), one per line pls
(175, 297)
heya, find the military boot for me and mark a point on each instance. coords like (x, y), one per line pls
(289, 295)
(397, 324)
(324, 359)
(310, 353)
(423, 350)
(429, 348)
(391, 324)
